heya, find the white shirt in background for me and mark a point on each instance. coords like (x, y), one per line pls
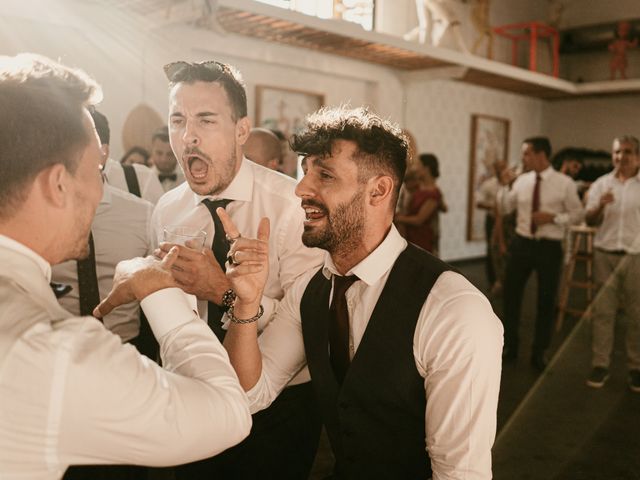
(120, 232)
(620, 227)
(150, 188)
(167, 183)
(558, 195)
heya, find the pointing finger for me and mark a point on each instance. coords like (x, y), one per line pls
(229, 227)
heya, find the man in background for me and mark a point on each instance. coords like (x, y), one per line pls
(135, 179)
(163, 161)
(613, 207)
(546, 202)
(263, 147)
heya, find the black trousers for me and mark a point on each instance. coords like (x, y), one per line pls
(489, 222)
(545, 258)
(282, 443)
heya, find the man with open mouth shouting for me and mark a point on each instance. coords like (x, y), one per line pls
(404, 354)
(208, 126)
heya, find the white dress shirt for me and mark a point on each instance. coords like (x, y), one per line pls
(150, 188)
(168, 184)
(620, 227)
(487, 194)
(256, 192)
(120, 232)
(71, 393)
(558, 195)
(457, 349)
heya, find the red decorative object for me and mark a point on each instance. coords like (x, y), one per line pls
(618, 49)
(531, 32)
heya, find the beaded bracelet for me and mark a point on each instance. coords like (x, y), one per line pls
(234, 319)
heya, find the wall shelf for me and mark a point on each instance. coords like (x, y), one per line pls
(337, 37)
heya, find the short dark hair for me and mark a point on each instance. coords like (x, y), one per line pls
(227, 76)
(161, 134)
(540, 144)
(382, 147)
(102, 126)
(41, 123)
(629, 139)
(139, 150)
(430, 161)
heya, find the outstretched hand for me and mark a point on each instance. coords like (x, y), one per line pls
(137, 278)
(248, 260)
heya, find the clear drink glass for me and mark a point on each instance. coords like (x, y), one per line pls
(190, 237)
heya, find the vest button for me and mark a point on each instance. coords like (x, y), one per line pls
(347, 433)
(350, 459)
(343, 405)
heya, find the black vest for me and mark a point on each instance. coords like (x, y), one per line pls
(376, 420)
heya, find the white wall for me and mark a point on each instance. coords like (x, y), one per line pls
(439, 113)
(591, 122)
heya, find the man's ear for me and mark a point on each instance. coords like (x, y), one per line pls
(54, 183)
(381, 190)
(243, 128)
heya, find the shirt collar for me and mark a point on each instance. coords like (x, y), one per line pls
(377, 263)
(544, 174)
(24, 251)
(240, 188)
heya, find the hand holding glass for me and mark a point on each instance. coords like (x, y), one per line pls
(190, 237)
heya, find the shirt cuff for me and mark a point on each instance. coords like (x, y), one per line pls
(167, 309)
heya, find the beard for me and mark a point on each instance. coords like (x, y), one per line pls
(221, 171)
(344, 226)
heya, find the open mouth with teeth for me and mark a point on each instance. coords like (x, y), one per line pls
(198, 168)
(313, 213)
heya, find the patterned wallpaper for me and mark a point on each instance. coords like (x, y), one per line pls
(439, 113)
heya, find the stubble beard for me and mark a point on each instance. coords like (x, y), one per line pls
(344, 229)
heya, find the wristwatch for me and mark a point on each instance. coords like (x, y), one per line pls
(228, 298)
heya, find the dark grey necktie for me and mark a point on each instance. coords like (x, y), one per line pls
(88, 281)
(220, 249)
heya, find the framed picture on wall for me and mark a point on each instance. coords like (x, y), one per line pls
(285, 109)
(489, 143)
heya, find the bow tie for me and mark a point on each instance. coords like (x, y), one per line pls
(167, 176)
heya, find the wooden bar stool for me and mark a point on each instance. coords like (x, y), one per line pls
(581, 250)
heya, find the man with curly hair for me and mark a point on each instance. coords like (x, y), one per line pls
(404, 353)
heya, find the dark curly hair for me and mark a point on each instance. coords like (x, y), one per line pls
(382, 147)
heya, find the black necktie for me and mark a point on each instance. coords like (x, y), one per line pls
(535, 204)
(339, 326)
(88, 281)
(167, 176)
(220, 249)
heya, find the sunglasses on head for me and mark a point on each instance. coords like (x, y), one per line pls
(172, 69)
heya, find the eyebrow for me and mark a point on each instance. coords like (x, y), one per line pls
(322, 163)
(199, 114)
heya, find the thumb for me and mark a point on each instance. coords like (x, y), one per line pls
(171, 257)
(264, 229)
(104, 308)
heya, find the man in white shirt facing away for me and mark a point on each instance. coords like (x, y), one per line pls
(547, 203)
(404, 353)
(70, 392)
(163, 161)
(613, 206)
(136, 179)
(264, 148)
(208, 126)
